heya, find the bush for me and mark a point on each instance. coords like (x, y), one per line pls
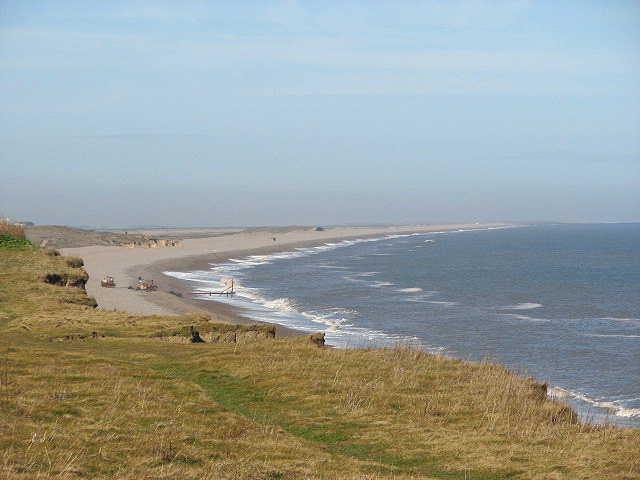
(9, 242)
(66, 279)
(75, 262)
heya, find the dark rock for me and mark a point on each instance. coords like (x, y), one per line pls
(317, 338)
(195, 336)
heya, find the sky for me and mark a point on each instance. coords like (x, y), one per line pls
(244, 113)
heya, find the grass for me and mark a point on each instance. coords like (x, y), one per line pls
(12, 236)
(124, 404)
(7, 227)
(60, 236)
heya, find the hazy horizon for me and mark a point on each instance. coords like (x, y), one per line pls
(280, 113)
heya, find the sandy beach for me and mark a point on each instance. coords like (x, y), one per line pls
(127, 264)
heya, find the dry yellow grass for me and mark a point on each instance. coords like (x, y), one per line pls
(129, 406)
(7, 227)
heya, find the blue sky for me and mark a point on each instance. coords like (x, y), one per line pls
(253, 113)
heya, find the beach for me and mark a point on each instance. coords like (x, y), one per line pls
(127, 264)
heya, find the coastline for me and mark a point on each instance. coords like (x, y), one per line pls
(127, 264)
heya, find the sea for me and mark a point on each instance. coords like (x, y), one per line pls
(558, 302)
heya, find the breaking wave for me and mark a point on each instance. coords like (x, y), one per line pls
(521, 306)
(611, 407)
(524, 317)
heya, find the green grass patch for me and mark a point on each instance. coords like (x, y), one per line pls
(242, 398)
(9, 242)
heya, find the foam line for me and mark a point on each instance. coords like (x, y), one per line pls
(612, 407)
(521, 306)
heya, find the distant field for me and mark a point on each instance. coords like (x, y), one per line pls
(97, 394)
(179, 233)
(65, 237)
(62, 237)
(58, 236)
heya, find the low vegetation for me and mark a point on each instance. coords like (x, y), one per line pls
(58, 236)
(9, 228)
(12, 235)
(86, 393)
(75, 262)
(9, 242)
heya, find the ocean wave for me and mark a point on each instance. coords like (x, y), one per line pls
(412, 289)
(612, 407)
(257, 260)
(521, 306)
(423, 297)
(403, 235)
(202, 277)
(352, 278)
(444, 304)
(623, 319)
(610, 335)
(335, 322)
(281, 304)
(283, 310)
(380, 284)
(524, 317)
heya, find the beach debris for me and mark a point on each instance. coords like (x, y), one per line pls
(108, 282)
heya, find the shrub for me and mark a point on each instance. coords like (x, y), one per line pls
(75, 262)
(8, 242)
(66, 279)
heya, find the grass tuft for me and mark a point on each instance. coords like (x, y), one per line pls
(7, 227)
(74, 262)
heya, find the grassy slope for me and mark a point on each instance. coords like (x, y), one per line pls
(131, 406)
(61, 237)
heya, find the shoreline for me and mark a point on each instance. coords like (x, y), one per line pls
(127, 264)
(219, 311)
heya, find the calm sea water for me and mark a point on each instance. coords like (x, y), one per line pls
(558, 302)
